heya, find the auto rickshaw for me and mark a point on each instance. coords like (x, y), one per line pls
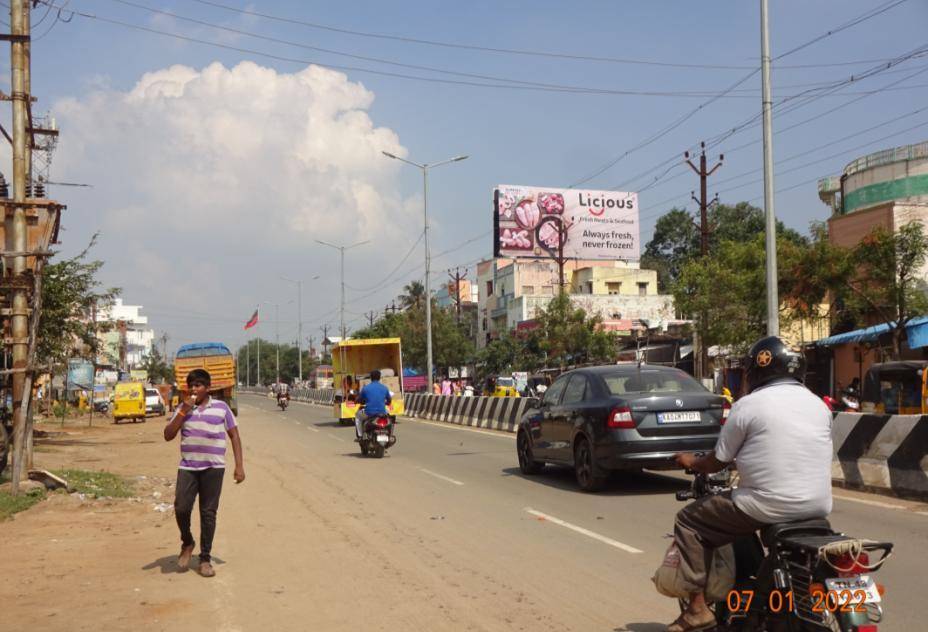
(129, 402)
(896, 388)
(505, 387)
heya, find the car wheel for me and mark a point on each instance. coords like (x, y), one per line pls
(527, 463)
(588, 478)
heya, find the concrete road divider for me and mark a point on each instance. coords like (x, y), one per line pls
(886, 453)
(495, 413)
(323, 396)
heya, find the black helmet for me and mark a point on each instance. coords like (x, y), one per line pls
(771, 359)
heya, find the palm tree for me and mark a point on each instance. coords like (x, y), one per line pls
(414, 293)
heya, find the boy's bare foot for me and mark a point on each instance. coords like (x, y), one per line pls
(183, 560)
(206, 569)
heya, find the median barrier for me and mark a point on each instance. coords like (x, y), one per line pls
(886, 453)
(496, 413)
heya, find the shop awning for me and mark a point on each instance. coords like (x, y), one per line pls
(916, 331)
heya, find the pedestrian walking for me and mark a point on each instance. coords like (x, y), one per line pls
(203, 423)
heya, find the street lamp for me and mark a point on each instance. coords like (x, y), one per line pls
(342, 250)
(425, 235)
(299, 318)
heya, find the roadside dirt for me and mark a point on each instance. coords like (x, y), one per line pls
(78, 563)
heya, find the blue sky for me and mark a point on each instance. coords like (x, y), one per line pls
(512, 136)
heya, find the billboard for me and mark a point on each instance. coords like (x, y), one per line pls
(80, 375)
(528, 222)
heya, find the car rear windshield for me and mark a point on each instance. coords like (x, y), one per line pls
(151, 392)
(645, 381)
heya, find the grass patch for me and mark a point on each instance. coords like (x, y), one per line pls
(96, 484)
(10, 505)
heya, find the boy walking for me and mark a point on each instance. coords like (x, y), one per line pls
(204, 424)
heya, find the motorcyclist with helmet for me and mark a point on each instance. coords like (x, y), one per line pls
(283, 392)
(779, 437)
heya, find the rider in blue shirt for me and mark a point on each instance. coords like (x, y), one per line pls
(374, 399)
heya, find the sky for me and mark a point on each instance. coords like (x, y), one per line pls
(214, 169)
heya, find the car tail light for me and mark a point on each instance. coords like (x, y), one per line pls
(382, 422)
(726, 410)
(848, 566)
(620, 417)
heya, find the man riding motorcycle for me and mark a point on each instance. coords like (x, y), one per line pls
(374, 399)
(780, 437)
(283, 392)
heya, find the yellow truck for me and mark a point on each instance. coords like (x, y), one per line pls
(352, 363)
(217, 360)
(129, 402)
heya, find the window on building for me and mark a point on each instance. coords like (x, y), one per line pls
(614, 287)
(642, 289)
(547, 290)
(528, 290)
(489, 288)
(589, 287)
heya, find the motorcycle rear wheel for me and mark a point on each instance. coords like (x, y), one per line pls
(377, 451)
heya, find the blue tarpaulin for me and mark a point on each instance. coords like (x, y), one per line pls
(916, 330)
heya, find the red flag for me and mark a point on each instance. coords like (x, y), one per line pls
(252, 321)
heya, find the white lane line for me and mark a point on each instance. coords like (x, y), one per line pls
(876, 503)
(331, 436)
(586, 532)
(313, 429)
(449, 426)
(436, 475)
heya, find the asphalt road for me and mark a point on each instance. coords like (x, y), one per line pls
(473, 544)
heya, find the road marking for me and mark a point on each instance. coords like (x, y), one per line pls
(331, 436)
(436, 475)
(876, 503)
(449, 426)
(586, 532)
(313, 429)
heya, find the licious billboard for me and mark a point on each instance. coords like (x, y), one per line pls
(593, 224)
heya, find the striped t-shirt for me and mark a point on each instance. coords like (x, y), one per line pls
(203, 436)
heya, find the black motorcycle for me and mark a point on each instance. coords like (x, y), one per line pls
(283, 402)
(377, 435)
(797, 575)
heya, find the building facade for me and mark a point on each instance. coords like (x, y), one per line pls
(510, 292)
(129, 329)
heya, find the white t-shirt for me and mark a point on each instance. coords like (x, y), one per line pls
(780, 437)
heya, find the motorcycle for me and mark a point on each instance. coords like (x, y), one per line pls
(377, 435)
(283, 402)
(797, 575)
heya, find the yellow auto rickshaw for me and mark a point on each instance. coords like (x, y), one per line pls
(896, 388)
(129, 401)
(505, 387)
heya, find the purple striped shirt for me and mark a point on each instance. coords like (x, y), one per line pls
(203, 436)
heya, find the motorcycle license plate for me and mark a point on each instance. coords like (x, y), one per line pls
(383, 439)
(859, 585)
(677, 418)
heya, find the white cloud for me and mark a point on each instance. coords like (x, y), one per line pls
(231, 160)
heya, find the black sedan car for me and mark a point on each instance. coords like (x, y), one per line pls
(618, 417)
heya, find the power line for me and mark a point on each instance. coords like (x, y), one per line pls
(392, 272)
(666, 130)
(507, 51)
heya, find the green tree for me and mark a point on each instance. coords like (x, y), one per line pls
(413, 295)
(71, 293)
(567, 335)
(158, 370)
(879, 280)
(676, 239)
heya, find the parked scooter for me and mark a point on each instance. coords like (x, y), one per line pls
(798, 575)
(377, 435)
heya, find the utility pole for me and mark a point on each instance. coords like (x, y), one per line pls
(342, 250)
(164, 346)
(325, 340)
(20, 304)
(702, 355)
(299, 325)
(248, 363)
(371, 315)
(703, 172)
(258, 368)
(457, 277)
(773, 301)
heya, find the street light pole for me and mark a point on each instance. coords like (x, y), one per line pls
(428, 256)
(773, 301)
(276, 336)
(342, 250)
(299, 318)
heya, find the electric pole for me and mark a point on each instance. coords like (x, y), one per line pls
(325, 340)
(456, 278)
(703, 172)
(370, 318)
(773, 301)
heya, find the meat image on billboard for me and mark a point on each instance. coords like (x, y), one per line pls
(528, 222)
